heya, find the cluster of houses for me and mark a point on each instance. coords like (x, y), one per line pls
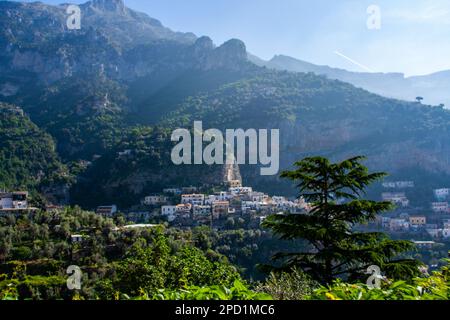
(237, 200)
(398, 198)
(398, 184)
(440, 205)
(435, 223)
(442, 197)
(407, 223)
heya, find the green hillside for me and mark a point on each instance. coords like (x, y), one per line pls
(28, 156)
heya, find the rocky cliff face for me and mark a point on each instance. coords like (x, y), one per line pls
(115, 6)
(124, 43)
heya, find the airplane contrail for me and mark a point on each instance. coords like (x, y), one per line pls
(354, 62)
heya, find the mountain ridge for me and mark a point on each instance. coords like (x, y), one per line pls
(433, 87)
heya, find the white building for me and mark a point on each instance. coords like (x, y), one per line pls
(6, 201)
(446, 224)
(259, 196)
(249, 205)
(174, 191)
(14, 200)
(168, 210)
(434, 232)
(277, 199)
(235, 183)
(184, 208)
(155, 200)
(220, 209)
(442, 194)
(194, 199)
(225, 196)
(396, 198)
(385, 222)
(76, 238)
(425, 244)
(398, 225)
(440, 207)
(405, 184)
(398, 184)
(190, 189)
(446, 233)
(202, 211)
(107, 211)
(241, 190)
(210, 199)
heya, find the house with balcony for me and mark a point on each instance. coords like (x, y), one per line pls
(184, 210)
(193, 199)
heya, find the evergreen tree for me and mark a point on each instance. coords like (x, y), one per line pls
(335, 249)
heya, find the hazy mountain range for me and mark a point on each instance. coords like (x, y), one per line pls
(434, 88)
(124, 82)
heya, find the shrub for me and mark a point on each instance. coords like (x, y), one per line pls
(434, 287)
(294, 285)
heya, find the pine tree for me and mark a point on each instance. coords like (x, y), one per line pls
(335, 249)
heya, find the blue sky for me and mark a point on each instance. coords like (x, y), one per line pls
(414, 37)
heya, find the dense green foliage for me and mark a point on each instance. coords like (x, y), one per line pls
(160, 267)
(434, 287)
(290, 285)
(36, 250)
(85, 120)
(27, 154)
(237, 292)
